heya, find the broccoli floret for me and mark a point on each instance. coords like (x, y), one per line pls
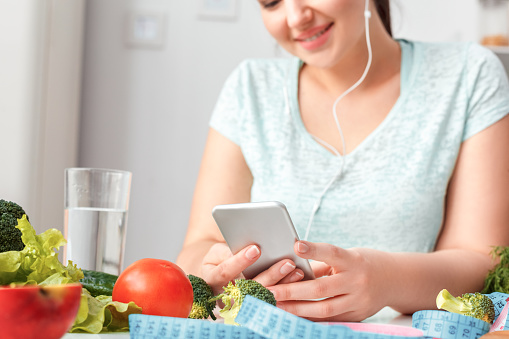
(202, 303)
(238, 292)
(475, 305)
(10, 236)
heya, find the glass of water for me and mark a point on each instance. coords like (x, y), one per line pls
(96, 204)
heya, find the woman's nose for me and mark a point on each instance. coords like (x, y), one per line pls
(298, 13)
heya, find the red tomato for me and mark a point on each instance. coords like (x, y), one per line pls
(158, 286)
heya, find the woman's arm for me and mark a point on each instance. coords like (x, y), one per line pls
(359, 282)
(476, 218)
(224, 178)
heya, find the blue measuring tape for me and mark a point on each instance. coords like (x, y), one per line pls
(499, 301)
(260, 320)
(148, 326)
(447, 325)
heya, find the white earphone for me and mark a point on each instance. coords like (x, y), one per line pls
(317, 204)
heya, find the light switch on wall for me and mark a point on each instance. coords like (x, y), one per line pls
(145, 29)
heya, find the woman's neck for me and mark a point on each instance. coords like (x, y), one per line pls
(385, 64)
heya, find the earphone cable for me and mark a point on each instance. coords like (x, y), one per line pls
(318, 202)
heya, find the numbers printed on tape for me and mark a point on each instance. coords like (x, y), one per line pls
(446, 325)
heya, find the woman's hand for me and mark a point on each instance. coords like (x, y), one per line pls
(353, 284)
(220, 266)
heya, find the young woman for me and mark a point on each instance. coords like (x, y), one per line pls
(392, 156)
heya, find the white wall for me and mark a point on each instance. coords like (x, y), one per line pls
(18, 74)
(147, 110)
(436, 20)
(40, 85)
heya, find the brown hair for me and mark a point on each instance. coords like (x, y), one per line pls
(384, 11)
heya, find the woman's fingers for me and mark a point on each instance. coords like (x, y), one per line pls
(320, 269)
(332, 309)
(221, 266)
(323, 252)
(348, 285)
(283, 271)
(296, 275)
(325, 287)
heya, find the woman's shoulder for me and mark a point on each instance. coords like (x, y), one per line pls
(261, 75)
(451, 53)
(454, 63)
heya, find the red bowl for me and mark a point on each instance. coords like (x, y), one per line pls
(42, 312)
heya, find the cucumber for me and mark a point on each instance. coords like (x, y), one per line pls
(98, 283)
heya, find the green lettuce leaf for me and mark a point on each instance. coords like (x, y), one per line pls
(41, 256)
(101, 314)
(38, 262)
(9, 266)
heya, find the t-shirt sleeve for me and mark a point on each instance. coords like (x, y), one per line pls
(226, 116)
(488, 90)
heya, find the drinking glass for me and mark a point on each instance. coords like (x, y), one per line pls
(95, 219)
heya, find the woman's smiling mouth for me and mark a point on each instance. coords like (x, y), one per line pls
(314, 37)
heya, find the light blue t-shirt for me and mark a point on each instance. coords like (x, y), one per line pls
(392, 192)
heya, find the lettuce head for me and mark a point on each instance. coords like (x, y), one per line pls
(38, 262)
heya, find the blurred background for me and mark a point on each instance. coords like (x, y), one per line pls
(131, 84)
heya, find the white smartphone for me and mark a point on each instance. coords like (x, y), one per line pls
(266, 224)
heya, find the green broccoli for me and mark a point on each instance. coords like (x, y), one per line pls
(475, 305)
(10, 236)
(237, 292)
(202, 303)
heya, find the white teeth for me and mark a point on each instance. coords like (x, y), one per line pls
(314, 37)
(317, 35)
